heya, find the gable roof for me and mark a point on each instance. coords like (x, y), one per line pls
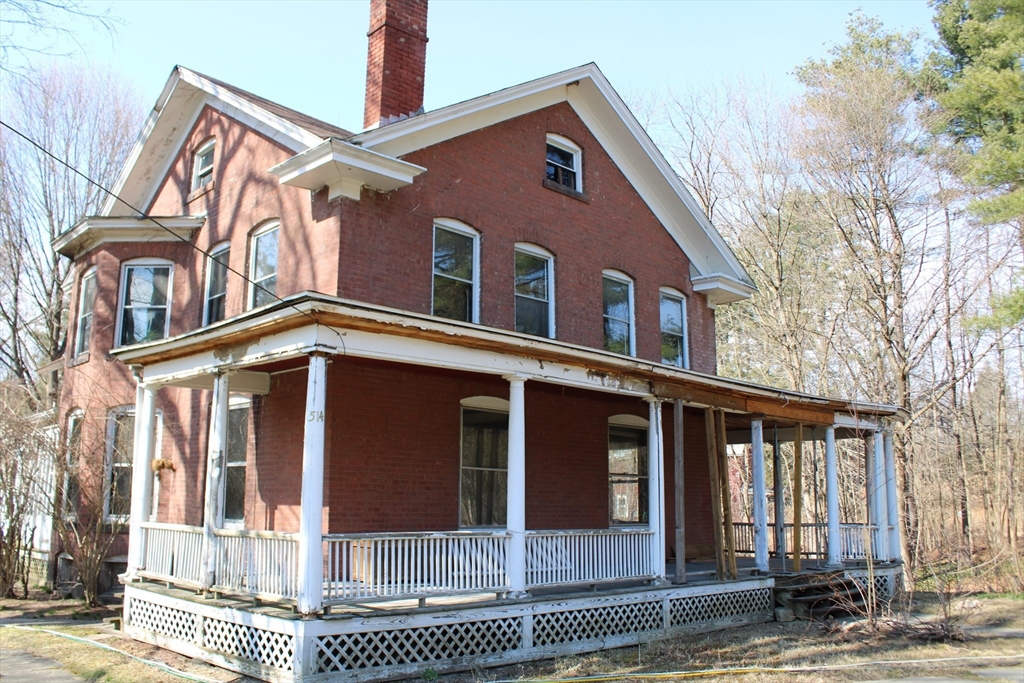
(717, 272)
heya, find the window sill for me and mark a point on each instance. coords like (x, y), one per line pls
(562, 189)
(199, 192)
(80, 359)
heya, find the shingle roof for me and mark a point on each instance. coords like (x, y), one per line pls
(314, 126)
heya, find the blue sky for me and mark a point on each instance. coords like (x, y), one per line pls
(311, 55)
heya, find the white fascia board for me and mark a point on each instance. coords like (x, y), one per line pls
(591, 95)
(336, 163)
(720, 288)
(176, 111)
(90, 232)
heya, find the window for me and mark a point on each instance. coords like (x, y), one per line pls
(534, 296)
(618, 313)
(86, 300)
(234, 470)
(263, 268)
(145, 297)
(202, 166)
(563, 163)
(456, 271)
(72, 494)
(117, 503)
(484, 489)
(674, 343)
(627, 470)
(216, 284)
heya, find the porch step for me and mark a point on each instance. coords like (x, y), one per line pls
(816, 596)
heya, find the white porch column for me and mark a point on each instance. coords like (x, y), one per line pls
(217, 447)
(311, 516)
(656, 486)
(515, 510)
(835, 550)
(895, 550)
(760, 497)
(142, 475)
(881, 506)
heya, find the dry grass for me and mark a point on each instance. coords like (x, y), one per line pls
(764, 645)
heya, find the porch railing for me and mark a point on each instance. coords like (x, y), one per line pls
(814, 540)
(261, 564)
(587, 556)
(398, 565)
(172, 552)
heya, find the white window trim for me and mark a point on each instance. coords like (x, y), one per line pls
(122, 292)
(568, 145)
(674, 293)
(619, 276)
(483, 404)
(80, 348)
(541, 252)
(268, 227)
(457, 226)
(234, 401)
(71, 515)
(108, 462)
(219, 248)
(631, 422)
(206, 147)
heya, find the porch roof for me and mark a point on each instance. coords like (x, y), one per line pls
(334, 325)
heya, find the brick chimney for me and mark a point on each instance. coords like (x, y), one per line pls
(396, 61)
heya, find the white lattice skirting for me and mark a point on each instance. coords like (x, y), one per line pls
(888, 581)
(403, 645)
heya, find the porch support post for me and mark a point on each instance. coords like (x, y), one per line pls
(711, 436)
(656, 486)
(214, 467)
(890, 494)
(142, 475)
(515, 514)
(680, 492)
(835, 550)
(311, 515)
(881, 505)
(798, 494)
(779, 491)
(760, 497)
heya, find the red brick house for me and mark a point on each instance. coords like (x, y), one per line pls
(401, 398)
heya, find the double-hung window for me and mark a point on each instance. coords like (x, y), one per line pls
(86, 301)
(263, 266)
(235, 462)
(618, 313)
(674, 343)
(535, 301)
(117, 502)
(216, 284)
(145, 302)
(484, 487)
(456, 277)
(627, 470)
(71, 495)
(202, 166)
(564, 163)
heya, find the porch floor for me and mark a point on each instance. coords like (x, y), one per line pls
(698, 573)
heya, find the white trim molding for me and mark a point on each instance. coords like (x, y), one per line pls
(720, 288)
(92, 231)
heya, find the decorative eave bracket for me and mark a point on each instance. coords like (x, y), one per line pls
(344, 169)
(722, 289)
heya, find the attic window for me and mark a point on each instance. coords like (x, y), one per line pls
(563, 163)
(202, 166)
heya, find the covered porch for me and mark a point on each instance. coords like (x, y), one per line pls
(635, 575)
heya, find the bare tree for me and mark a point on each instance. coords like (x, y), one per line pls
(87, 118)
(30, 28)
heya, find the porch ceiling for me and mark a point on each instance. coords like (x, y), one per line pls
(307, 322)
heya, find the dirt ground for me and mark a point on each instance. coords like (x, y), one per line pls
(995, 628)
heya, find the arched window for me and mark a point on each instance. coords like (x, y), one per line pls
(535, 290)
(263, 265)
(675, 343)
(86, 302)
(456, 273)
(619, 327)
(215, 309)
(627, 470)
(564, 162)
(483, 490)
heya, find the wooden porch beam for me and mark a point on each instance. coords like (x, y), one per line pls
(680, 490)
(716, 491)
(798, 495)
(723, 473)
(699, 396)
